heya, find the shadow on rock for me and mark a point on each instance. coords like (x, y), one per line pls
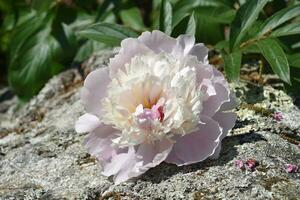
(164, 171)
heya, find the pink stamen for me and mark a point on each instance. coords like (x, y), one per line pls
(157, 112)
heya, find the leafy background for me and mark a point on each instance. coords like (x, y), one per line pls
(40, 38)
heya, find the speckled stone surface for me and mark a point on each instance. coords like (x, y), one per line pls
(42, 157)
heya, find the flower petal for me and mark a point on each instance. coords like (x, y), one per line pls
(95, 86)
(158, 41)
(214, 102)
(87, 123)
(226, 122)
(99, 142)
(184, 44)
(201, 52)
(130, 47)
(133, 163)
(153, 154)
(197, 146)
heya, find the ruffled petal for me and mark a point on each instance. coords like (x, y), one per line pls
(201, 52)
(153, 154)
(197, 146)
(136, 161)
(99, 142)
(214, 102)
(184, 43)
(94, 90)
(130, 47)
(87, 123)
(226, 121)
(158, 41)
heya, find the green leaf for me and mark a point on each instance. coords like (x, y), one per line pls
(222, 15)
(222, 45)
(294, 60)
(165, 17)
(41, 5)
(32, 63)
(276, 57)
(191, 26)
(110, 34)
(208, 30)
(290, 29)
(232, 64)
(296, 45)
(88, 48)
(132, 18)
(245, 17)
(279, 18)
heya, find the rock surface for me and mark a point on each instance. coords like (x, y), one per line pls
(42, 157)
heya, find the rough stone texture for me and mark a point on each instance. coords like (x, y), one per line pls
(42, 157)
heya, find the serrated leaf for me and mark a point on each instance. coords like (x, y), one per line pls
(165, 17)
(245, 17)
(279, 18)
(290, 29)
(132, 18)
(191, 26)
(276, 57)
(232, 63)
(110, 34)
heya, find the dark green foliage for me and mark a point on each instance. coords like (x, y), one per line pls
(42, 38)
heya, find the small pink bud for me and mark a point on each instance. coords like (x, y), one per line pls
(277, 116)
(251, 164)
(290, 168)
(239, 164)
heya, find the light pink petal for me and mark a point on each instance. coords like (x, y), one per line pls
(201, 52)
(95, 86)
(184, 44)
(158, 41)
(213, 103)
(197, 146)
(130, 47)
(120, 165)
(87, 123)
(153, 154)
(133, 163)
(226, 121)
(99, 142)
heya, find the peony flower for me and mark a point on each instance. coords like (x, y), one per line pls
(158, 100)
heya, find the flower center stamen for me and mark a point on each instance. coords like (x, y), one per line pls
(147, 117)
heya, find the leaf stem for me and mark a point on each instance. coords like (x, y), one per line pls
(253, 40)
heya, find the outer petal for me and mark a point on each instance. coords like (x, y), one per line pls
(130, 47)
(226, 121)
(135, 162)
(214, 102)
(201, 52)
(197, 146)
(222, 95)
(95, 86)
(158, 41)
(99, 142)
(184, 43)
(87, 123)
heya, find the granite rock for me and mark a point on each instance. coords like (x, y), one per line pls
(42, 157)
